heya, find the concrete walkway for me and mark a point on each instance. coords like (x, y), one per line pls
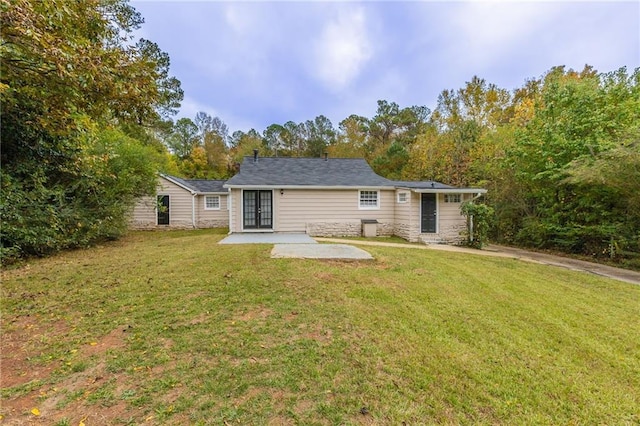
(619, 274)
(320, 251)
(298, 246)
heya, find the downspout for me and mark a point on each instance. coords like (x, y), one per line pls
(478, 195)
(229, 208)
(193, 209)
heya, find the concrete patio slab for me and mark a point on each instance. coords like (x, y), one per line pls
(319, 251)
(268, 238)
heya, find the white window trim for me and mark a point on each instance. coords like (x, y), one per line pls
(447, 198)
(212, 208)
(376, 207)
(406, 199)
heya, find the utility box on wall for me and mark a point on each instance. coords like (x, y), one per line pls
(369, 227)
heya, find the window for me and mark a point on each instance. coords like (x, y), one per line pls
(452, 198)
(402, 197)
(212, 202)
(368, 200)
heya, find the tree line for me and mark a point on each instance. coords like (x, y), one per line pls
(87, 122)
(560, 155)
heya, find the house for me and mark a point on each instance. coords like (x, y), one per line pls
(317, 196)
(183, 203)
(335, 196)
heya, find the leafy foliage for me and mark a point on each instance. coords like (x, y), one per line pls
(75, 91)
(479, 220)
(49, 209)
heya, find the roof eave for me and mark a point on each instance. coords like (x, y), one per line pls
(449, 190)
(175, 182)
(308, 187)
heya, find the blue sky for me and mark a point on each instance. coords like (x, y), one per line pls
(257, 63)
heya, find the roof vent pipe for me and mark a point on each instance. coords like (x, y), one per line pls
(326, 156)
(255, 155)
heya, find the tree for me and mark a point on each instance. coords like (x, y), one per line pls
(243, 145)
(580, 118)
(276, 139)
(184, 138)
(70, 78)
(319, 134)
(351, 138)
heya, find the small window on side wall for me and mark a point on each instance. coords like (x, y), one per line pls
(368, 200)
(212, 202)
(452, 198)
(403, 197)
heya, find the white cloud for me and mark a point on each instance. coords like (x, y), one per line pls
(342, 49)
(485, 31)
(190, 107)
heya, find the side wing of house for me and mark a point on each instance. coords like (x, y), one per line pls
(431, 217)
(171, 208)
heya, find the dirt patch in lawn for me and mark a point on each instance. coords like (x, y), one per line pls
(37, 390)
(259, 313)
(20, 348)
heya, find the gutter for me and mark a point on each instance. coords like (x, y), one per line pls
(372, 187)
(478, 191)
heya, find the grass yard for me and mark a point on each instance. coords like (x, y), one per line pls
(171, 328)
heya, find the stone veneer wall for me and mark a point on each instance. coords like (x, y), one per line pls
(213, 223)
(453, 233)
(406, 231)
(345, 229)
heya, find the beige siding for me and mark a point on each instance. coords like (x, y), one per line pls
(297, 210)
(144, 215)
(212, 218)
(336, 212)
(405, 218)
(236, 210)
(180, 209)
(305, 210)
(451, 223)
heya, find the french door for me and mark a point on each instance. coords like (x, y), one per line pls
(257, 209)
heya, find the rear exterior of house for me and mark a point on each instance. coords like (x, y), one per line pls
(183, 204)
(333, 197)
(317, 212)
(316, 196)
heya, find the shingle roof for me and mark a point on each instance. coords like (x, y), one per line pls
(285, 171)
(201, 185)
(318, 172)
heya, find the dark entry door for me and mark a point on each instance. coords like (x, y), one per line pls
(428, 220)
(257, 210)
(163, 209)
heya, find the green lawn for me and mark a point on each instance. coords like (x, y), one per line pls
(171, 328)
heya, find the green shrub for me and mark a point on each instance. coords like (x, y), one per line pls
(479, 218)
